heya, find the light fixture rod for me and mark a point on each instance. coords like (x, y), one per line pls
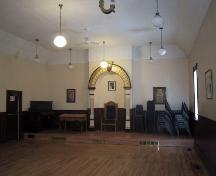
(157, 6)
(150, 43)
(36, 47)
(104, 50)
(60, 5)
(70, 54)
(161, 37)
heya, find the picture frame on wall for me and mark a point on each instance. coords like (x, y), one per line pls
(209, 84)
(111, 85)
(71, 95)
(159, 95)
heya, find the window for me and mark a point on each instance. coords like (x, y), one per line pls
(195, 77)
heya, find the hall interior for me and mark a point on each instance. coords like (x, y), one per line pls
(128, 83)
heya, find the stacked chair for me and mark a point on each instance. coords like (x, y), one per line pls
(165, 123)
(179, 119)
(139, 119)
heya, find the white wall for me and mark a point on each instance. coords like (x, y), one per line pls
(61, 78)
(203, 54)
(102, 95)
(49, 82)
(170, 73)
(22, 75)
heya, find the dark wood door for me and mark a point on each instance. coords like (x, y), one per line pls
(14, 109)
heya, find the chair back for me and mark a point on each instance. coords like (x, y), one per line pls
(139, 110)
(110, 110)
(151, 105)
(168, 108)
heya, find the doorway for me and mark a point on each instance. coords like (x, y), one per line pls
(195, 80)
(13, 110)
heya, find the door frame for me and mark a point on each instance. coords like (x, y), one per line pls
(19, 110)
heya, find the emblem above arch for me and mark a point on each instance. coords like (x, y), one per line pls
(114, 69)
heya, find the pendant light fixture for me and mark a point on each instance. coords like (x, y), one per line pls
(60, 40)
(150, 56)
(70, 65)
(104, 63)
(157, 21)
(162, 51)
(36, 58)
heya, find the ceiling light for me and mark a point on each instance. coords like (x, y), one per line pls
(157, 21)
(36, 58)
(70, 65)
(162, 51)
(150, 57)
(60, 40)
(104, 63)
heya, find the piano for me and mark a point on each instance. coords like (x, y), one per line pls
(40, 117)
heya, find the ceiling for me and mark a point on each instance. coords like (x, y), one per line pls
(131, 24)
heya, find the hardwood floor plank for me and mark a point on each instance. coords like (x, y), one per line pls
(61, 159)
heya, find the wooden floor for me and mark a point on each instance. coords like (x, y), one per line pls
(59, 158)
(104, 137)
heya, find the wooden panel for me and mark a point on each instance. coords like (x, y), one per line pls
(204, 131)
(3, 127)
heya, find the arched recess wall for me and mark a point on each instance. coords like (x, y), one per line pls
(115, 69)
(127, 86)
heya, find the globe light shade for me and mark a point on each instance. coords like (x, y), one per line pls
(36, 58)
(70, 65)
(60, 41)
(158, 21)
(151, 60)
(162, 51)
(104, 64)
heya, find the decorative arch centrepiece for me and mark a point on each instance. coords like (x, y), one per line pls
(114, 68)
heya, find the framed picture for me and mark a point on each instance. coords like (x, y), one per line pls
(71, 95)
(111, 85)
(159, 94)
(209, 84)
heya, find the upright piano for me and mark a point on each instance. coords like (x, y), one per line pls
(40, 116)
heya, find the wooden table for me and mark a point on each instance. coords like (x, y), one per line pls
(72, 118)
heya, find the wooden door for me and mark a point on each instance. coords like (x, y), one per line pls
(14, 109)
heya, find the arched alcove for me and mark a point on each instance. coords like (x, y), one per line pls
(118, 70)
(115, 69)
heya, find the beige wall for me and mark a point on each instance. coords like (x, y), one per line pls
(22, 75)
(49, 82)
(61, 78)
(204, 53)
(102, 95)
(43, 82)
(169, 73)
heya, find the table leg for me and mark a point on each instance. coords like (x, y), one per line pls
(65, 125)
(86, 125)
(81, 126)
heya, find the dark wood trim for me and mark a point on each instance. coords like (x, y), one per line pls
(204, 132)
(3, 127)
(71, 111)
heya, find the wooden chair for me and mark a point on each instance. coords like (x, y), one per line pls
(110, 117)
